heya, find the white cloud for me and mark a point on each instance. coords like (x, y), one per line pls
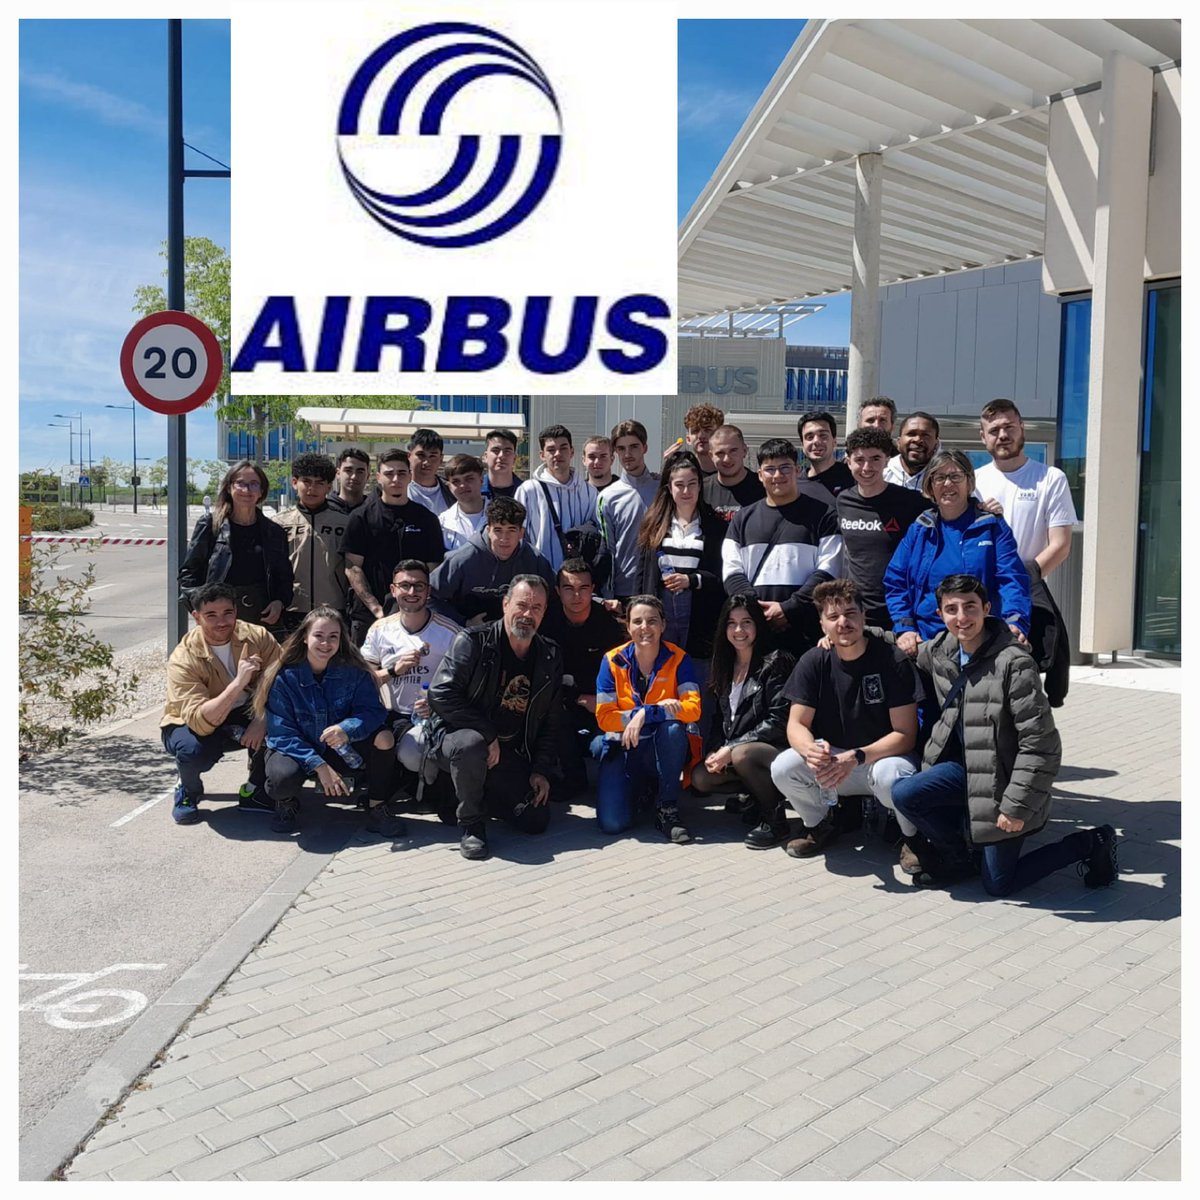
(702, 108)
(103, 105)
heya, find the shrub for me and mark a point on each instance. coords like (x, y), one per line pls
(67, 675)
(48, 517)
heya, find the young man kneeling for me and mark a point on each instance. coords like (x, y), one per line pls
(991, 758)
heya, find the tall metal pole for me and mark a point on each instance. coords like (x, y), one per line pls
(135, 469)
(176, 426)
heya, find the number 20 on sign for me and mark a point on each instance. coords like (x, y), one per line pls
(171, 362)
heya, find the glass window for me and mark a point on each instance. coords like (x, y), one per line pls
(1074, 363)
(1157, 625)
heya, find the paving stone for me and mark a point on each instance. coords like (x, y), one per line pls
(225, 1162)
(293, 1165)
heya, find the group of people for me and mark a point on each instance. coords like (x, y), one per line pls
(798, 636)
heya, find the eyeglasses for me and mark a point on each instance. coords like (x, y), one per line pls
(954, 477)
(410, 587)
(248, 485)
(781, 469)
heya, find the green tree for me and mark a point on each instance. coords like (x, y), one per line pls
(206, 295)
(68, 678)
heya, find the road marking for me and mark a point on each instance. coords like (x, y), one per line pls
(60, 1010)
(100, 587)
(141, 808)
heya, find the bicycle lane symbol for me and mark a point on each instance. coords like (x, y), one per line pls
(105, 1006)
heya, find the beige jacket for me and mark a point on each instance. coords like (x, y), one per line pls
(195, 675)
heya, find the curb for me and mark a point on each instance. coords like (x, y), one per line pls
(60, 1135)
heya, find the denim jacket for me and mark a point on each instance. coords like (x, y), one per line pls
(300, 707)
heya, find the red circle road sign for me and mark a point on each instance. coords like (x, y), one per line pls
(171, 362)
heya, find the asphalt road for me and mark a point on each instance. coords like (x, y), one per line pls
(129, 595)
(95, 894)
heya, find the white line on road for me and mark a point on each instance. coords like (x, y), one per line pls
(141, 808)
(100, 587)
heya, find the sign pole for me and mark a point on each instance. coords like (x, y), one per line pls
(177, 617)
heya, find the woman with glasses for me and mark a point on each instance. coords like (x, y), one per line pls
(956, 537)
(680, 543)
(236, 544)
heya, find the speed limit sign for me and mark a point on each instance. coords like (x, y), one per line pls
(171, 362)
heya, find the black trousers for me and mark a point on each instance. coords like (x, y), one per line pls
(501, 792)
(286, 775)
(1050, 642)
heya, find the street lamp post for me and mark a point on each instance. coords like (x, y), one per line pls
(132, 406)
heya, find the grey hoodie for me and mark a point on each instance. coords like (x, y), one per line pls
(620, 511)
(471, 580)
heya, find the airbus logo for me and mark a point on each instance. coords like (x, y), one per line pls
(425, 137)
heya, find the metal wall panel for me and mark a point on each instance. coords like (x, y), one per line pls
(936, 331)
(995, 347)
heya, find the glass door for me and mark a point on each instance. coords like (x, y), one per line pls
(1157, 625)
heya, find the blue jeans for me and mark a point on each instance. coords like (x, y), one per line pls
(196, 753)
(654, 764)
(935, 801)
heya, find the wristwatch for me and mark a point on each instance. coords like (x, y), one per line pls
(860, 755)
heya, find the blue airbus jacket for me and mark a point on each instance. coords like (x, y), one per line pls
(300, 707)
(989, 552)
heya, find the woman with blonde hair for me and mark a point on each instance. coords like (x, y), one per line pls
(237, 544)
(324, 721)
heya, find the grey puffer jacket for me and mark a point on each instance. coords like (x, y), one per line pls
(1011, 748)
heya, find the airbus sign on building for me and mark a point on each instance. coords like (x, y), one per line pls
(439, 204)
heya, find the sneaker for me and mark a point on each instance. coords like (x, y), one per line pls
(187, 808)
(910, 860)
(1099, 869)
(814, 840)
(667, 822)
(474, 841)
(287, 816)
(380, 821)
(254, 800)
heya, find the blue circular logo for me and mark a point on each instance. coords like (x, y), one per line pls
(449, 134)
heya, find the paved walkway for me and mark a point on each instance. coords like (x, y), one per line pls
(578, 1008)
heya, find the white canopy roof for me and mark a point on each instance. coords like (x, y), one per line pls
(959, 112)
(373, 424)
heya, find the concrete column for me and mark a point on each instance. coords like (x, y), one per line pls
(1115, 375)
(863, 376)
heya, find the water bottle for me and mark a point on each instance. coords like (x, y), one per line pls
(419, 721)
(829, 796)
(350, 756)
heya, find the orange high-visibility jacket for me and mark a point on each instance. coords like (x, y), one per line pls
(673, 678)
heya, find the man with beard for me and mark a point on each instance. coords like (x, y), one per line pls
(1039, 510)
(495, 701)
(878, 413)
(818, 438)
(919, 434)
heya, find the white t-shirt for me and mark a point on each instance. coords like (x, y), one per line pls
(1036, 499)
(388, 638)
(432, 498)
(458, 526)
(225, 655)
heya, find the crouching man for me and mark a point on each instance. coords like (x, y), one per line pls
(991, 759)
(495, 702)
(210, 677)
(853, 720)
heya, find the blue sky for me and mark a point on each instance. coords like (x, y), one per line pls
(93, 198)
(93, 214)
(723, 68)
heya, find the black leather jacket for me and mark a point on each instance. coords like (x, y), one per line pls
(467, 684)
(209, 557)
(762, 715)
